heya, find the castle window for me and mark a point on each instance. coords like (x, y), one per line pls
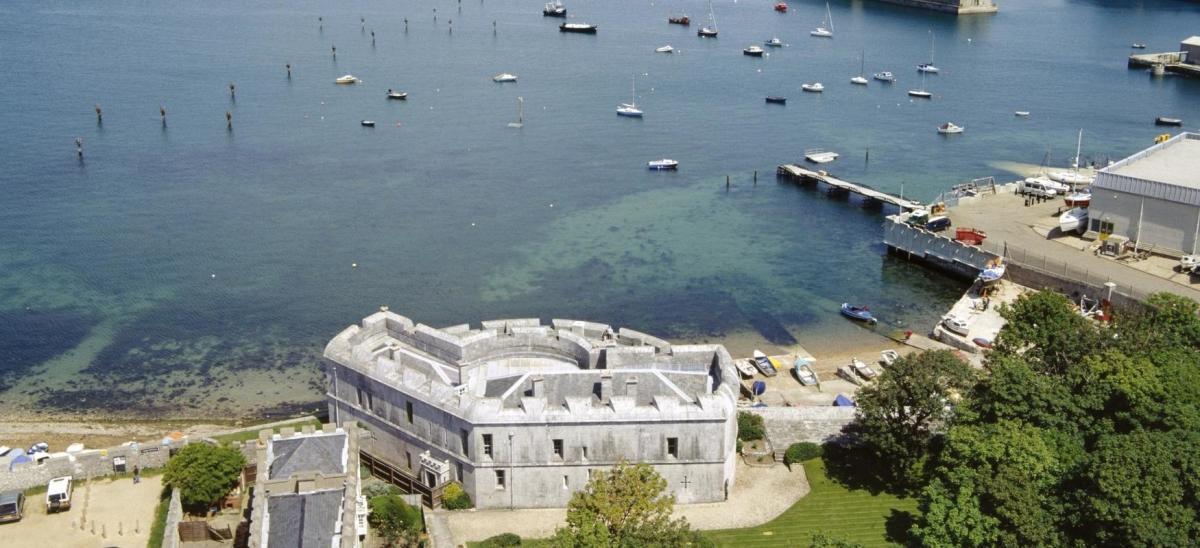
(408, 411)
(673, 447)
(465, 439)
(583, 452)
(501, 481)
(566, 482)
(558, 448)
(487, 445)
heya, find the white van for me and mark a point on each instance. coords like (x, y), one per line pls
(1035, 187)
(58, 494)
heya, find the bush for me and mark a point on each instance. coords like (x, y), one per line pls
(394, 519)
(500, 541)
(379, 489)
(454, 498)
(800, 452)
(203, 474)
(739, 446)
(750, 427)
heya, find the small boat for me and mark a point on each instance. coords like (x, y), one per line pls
(813, 87)
(758, 388)
(955, 324)
(1138, 45)
(664, 164)
(929, 67)
(781, 7)
(1022, 113)
(347, 79)
(865, 371)
(861, 80)
(504, 77)
(920, 93)
(991, 273)
(709, 30)
(582, 28)
(753, 51)
(1072, 178)
(1078, 199)
(826, 28)
(764, 364)
(398, 95)
(982, 342)
(745, 367)
(368, 123)
(846, 372)
(554, 9)
(949, 128)
(888, 357)
(885, 76)
(684, 20)
(665, 49)
(779, 100)
(820, 156)
(858, 313)
(630, 109)
(804, 372)
(774, 43)
(1164, 121)
(1073, 220)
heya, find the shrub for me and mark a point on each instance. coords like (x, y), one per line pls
(394, 519)
(454, 498)
(203, 474)
(500, 541)
(379, 489)
(750, 427)
(799, 452)
(739, 446)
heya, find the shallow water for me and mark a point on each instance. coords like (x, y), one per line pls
(186, 256)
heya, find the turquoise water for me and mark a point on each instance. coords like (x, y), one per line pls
(189, 258)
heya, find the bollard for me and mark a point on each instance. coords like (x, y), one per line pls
(137, 527)
(103, 530)
(93, 527)
(120, 529)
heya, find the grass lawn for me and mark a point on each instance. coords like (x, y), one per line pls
(844, 514)
(252, 434)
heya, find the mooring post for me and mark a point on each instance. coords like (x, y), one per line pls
(162, 114)
(232, 89)
(79, 147)
(372, 38)
(868, 159)
(229, 120)
(321, 23)
(289, 69)
(99, 114)
(756, 176)
(334, 48)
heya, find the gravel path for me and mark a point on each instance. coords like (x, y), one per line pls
(758, 496)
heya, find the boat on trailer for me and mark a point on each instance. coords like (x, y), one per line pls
(1073, 220)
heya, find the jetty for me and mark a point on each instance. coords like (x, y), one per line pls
(1186, 61)
(803, 175)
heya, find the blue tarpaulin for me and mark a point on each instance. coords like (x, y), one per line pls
(842, 401)
(19, 459)
(758, 388)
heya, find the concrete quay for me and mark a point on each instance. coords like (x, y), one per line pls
(1171, 61)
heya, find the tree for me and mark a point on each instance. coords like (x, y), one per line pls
(396, 521)
(623, 507)
(1044, 328)
(822, 539)
(751, 427)
(899, 414)
(203, 474)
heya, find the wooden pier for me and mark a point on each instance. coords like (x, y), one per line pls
(804, 175)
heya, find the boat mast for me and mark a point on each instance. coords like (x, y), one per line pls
(931, 37)
(712, 17)
(862, 62)
(633, 91)
(521, 110)
(1078, 146)
(829, 17)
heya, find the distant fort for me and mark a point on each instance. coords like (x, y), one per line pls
(960, 7)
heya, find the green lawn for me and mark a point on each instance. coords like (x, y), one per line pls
(841, 513)
(252, 434)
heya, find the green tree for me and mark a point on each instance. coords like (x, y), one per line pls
(821, 539)
(395, 520)
(751, 427)
(623, 507)
(900, 413)
(1044, 328)
(203, 474)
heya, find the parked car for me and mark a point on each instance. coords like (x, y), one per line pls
(12, 506)
(1035, 187)
(58, 494)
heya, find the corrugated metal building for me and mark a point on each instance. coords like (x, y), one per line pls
(1152, 197)
(1191, 47)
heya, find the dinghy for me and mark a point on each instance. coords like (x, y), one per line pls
(858, 313)
(764, 364)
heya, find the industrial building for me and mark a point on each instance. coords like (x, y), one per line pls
(522, 414)
(1152, 197)
(1191, 50)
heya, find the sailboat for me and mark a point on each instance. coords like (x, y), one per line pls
(630, 109)
(826, 28)
(929, 67)
(921, 92)
(1073, 177)
(520, 123)
(861, 79)
(709, 30)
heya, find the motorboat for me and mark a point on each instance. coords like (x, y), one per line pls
(630, 109)
(858, 313)
(1138, 45)
(865, 371)
(1078, 199)
(779, 100)
(347, 79)
(804, 372)
(820, 156)
(368, 123)
(664, 164)
(781, 7)
(826, 28)
(991, 273)
(753, 51)
(1073, 220)
(1164, 121)
(745, 367)
(885, 76)
(554, 9)
(888, 357)
(813, 87)
(764, 364)
(709, 30)
(955, 324)
(684, 20)
(920, 93)
(398, 95)
(949, 128)
(582, 28)
(1022, 113)
(504, 77)
(774, 43)
(1048, 183)
(665, 49)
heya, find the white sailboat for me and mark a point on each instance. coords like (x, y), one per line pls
(861, 79)
(709, 30)
(630, 109)
(1073, 220)
(921, 93)
(1073, 177)
(826, 28)
(520, 123)
(929, 67)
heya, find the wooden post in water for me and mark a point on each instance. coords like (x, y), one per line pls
(451, 26)
(232, 89)
(756, 176)
(334, 49)
(321, 23)
(363, 20)
(79, 147)
(868, 158)
(162, 114)
(229, 120)
(99, 114)
(372, 38)
(289, 69)
(405, 24)
(726, 181)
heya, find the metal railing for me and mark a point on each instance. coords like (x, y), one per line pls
(1062, 270)
(430, 496)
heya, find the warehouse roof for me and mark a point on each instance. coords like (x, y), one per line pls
(1168, 171)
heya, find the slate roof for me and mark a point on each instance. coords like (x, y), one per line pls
(303, 521)
(319, 453)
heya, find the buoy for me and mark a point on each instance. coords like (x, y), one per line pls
(213, 275)
(353, 265)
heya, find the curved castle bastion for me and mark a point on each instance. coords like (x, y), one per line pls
(521, 413)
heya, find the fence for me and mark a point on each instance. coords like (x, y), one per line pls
(430, 496)
(1039, 270)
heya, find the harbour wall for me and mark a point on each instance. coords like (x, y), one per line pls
(958, 7)
(917, 243)
(788, 425)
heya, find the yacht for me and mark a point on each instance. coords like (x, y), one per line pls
(949, 128)
(885, 76)
(753, 51)
(774, 43)
(861, 80)
(630, 109)
(826, 28)
(709, 30)
(921, 93)
(347, 79)
(582, 28)
(664, 164)
(929, 67)
(504, 77)
(665, 49)
(814, 87)
(400, 95)
(554, 9)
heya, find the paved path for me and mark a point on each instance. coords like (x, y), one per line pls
(758, 496)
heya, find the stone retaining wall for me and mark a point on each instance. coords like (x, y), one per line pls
(788, 425)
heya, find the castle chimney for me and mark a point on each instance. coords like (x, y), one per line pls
(539, 388)
(631, 388)
(605, 387)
